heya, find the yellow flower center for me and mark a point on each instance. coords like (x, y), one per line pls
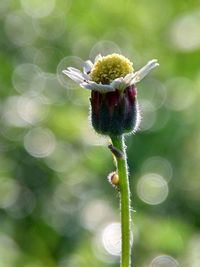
(110, 67)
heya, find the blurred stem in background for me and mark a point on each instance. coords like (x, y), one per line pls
(122, 170)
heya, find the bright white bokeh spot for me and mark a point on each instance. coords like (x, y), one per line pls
(9, 191)
(184, 32)
(158, 165)
(21, 111)
(39, 142)
(19, 29)
(152, 189)
(37, 8)
(164, 261)
(27, 77)
(70, 61)
(104, 48)
(111, 239)
(101, 212)
(31, 110)
(180, 94)
(148, 114)
(11, 116)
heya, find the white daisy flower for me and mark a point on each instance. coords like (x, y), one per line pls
(111, 79)
(109, 73)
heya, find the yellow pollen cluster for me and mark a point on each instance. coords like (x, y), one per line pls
(110, 67)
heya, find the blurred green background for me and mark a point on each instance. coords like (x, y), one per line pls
(56, 206)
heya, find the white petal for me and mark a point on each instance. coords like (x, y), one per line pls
(87, 66)
(78, 72)
(72, 72)
(140, 74)
(71, 69)
(75, 77)
(102, 88)
(99, 56)
(128, 78)
(119, 83)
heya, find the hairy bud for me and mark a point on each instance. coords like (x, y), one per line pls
(114, 113)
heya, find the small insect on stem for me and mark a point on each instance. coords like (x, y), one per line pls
(113, 179)
(116, 152)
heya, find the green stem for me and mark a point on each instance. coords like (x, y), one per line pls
(118, 142)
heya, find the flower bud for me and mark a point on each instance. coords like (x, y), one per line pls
(114, 113)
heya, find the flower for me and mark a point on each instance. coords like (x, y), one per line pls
(87, 79)
(112, 79)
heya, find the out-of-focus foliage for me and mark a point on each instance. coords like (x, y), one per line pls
(56, 206)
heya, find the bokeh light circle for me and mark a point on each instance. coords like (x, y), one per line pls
(47, 58)
(53, 92)
(39, 142)
(192, 254)
(51, 27)
(9, 191)
(31, 110)
(184, 32)
(111, 238)
(19, 28)
(37, 8)
(27, 77)
(148, 114)
(24, 204)
(162, 118)
(23, 111)
(180, 93)
(81, 47)
(57, 159)
(152, 189)
(65, 200)
(164, 261)
(104, 48)
(101, 212)
(28, 53)
(66, 62)
(152, 90)
(9, 251)
(158, 165)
